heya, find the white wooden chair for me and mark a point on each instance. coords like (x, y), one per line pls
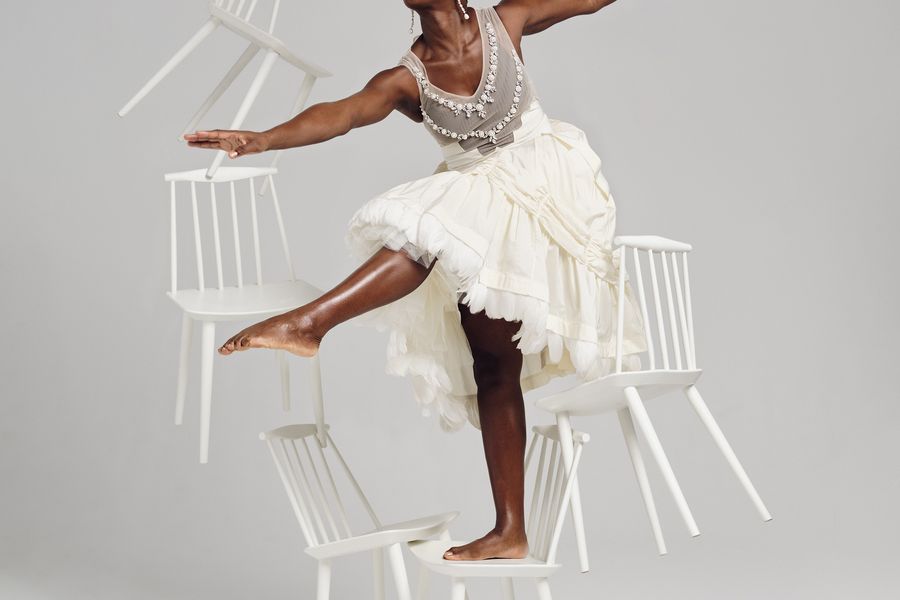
(220, 300)
(237, 16)
(313, 489)
(550, 498)
(671, 366)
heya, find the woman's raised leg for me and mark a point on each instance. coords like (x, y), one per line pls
(501, 411)
(386, 276)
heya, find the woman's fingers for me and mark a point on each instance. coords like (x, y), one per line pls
(222, 140)
(235, 143)
(198, 136)
(226, 140)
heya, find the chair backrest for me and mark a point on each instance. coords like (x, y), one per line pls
(237, 187)
(312, 481)
(551, 491)
(244, 9)
(669, 327)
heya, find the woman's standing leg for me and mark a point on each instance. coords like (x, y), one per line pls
(386, 276)
(501, 411)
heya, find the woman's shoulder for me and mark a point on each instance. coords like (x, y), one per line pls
(511, 16)
(509, 20)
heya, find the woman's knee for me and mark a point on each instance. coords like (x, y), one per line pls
(494, 369)
(496, 358)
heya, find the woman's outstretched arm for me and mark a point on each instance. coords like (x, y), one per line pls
(533, 16)
(390, 89)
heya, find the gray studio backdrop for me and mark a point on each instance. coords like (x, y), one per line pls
(765, 133)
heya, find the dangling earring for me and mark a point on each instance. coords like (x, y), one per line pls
(462, 10)
(412, 19)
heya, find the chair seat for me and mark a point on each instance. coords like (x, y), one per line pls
(431, 554)
(385, 535)
(251, 300)
(265, 39)
(607, 393)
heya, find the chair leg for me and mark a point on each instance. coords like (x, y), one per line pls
(323, 587)
(284, 368)
(543, 589)
(640, 472)
(445, 536)
(509, 592)
(315, 391)
(458, 587)
(378, 572)
(401, 582)
(182, 53)
(642, 420)
(235, 70)
(706, 417)
(422, 583)
(206, 378)
(567, 445)
(256, 85)
(187, 330)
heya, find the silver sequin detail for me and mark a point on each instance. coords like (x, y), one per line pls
(485, 98)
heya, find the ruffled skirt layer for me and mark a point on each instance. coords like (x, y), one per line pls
(523, 233)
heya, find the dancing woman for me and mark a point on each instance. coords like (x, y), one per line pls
(495, 273)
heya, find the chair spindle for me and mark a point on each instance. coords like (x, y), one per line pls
(214, 210)
(620, 313)
(198, 244)
(255, 222)
(642, 294)
(287, 481)
(673, 324)
(278, 217)
(342, 512)
(236, 231)
(174, 234)
(308, 489)
(690, 315)
(664, 347)
(682, 314)
(320, 490)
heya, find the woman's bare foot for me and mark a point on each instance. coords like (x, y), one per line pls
(496, 544)
(293, 331)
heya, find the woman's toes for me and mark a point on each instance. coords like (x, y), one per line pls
(278, 334)
(233, 344)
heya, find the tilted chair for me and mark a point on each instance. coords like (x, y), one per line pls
(210, 303)
(312, 487)
(551, 494)
(236, 16)
(672, 367)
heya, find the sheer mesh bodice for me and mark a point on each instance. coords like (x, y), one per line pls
(487, 118)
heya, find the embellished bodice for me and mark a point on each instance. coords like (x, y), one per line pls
(487, 118)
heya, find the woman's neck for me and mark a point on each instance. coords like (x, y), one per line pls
(445, 31)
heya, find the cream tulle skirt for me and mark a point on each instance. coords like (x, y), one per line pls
(523, 233)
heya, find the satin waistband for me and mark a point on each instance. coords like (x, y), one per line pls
(534, 121)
